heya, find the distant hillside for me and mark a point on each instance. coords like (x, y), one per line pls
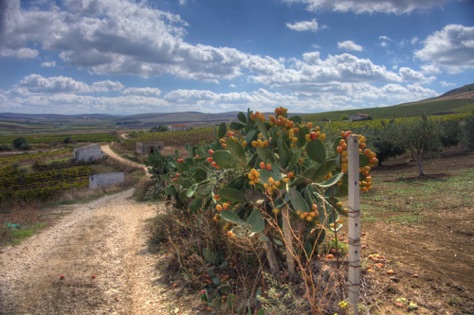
(459, 100)
(465, 91)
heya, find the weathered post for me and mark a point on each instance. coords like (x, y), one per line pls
(354, 222)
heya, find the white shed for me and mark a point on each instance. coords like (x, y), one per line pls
(105, 179)
(88, 153)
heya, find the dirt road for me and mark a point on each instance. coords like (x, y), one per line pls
(101, 250)
(107, 150)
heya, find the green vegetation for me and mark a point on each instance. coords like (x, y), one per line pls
(429, 107)
(21, 144)
(17, 185)
(467, 132)
(60, 138)
(172, 138)
(17, 235)
(270, 186)
(32, 157)
(404, 199)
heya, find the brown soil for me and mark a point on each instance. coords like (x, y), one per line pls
(433, 260)
(101, 249)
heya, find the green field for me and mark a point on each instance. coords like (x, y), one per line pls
(431, 108)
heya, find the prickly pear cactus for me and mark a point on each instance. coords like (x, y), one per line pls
(268, 174)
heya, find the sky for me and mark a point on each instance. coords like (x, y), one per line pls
(127, 57)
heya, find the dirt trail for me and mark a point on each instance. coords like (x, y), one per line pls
(107, 150)
(105, 238)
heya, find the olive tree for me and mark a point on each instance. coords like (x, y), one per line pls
(422, 137)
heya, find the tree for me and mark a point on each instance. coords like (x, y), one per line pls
(21, 144)
(160, 128)
(450, 133)
(468, 132)
(385, 141)
(422, 137)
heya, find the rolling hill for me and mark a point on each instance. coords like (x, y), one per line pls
(460, 100)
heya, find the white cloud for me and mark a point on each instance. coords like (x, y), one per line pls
(48, 64)
(146, 91)
(410, 75)
(384, 41)
(35, 94)
(20, 53)
(232, 86)
(430, 69)
(312, 69)
(447, 84)
(116, 37)
(349, 45)
(37, 84)
(304, 26)
(414, 40)
(106, 86)
(452, 48)
(369, 6)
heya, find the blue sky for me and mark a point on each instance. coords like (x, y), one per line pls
(126, 57)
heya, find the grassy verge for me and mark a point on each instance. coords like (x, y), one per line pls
(401, 198)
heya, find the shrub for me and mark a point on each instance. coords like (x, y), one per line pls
(21, 144)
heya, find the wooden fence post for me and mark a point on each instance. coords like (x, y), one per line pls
(354, 222)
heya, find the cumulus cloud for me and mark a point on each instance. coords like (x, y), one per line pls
(313, 69)
(64, 95)
(20, 53)
(116, 37)
(410, 75)
(106, 86)
(146, 91)
(349, 45)
(452, 48)
(37, 84)
(48, 64)
(304, 26)
(369, 6)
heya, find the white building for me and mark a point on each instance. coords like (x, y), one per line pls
(88, 153)
(105, 179)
